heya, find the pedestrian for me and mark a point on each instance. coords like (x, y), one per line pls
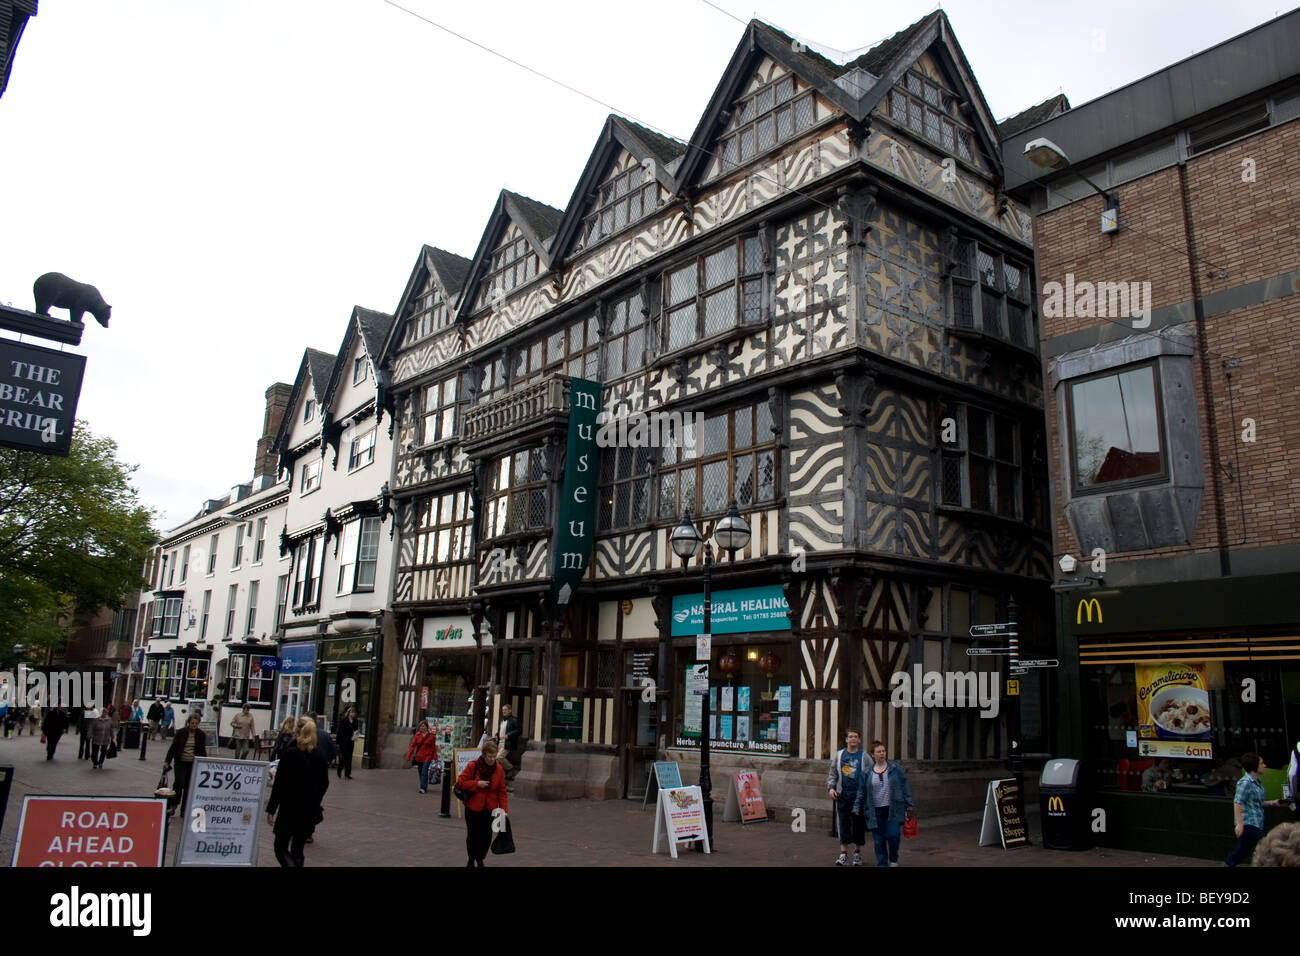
(1248, 808)
(843, 783)
(288, 729)
(34, 718)
(485, 782)
(509, 742)
(243, 730)
(1293, 779)
(19, 715)
(885, 801)
(6, 712)
(54, 726)
(137, 712)
(347, 728)
(424, 751)
(295, 805)
(155, 719)
(168, 720)
(329, 750)
(189, 742)
(101, 738)
(88, 716)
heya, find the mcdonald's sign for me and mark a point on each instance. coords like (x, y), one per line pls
(1086, 607)
(1055, 805)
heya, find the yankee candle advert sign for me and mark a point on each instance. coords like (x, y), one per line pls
(90, 831)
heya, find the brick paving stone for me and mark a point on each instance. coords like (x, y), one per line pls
(378, 819)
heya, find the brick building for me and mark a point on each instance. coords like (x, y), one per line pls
(1173, 408)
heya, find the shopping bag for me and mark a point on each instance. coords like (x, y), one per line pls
(504, 842)
(909, 827)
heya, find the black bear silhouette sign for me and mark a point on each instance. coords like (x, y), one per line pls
(56, 290)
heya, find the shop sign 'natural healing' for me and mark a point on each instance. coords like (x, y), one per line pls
(741, 611)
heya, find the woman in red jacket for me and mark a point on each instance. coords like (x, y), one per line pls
(485, 781)
(424, 751)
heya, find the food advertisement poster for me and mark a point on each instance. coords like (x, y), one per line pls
(1173, 702)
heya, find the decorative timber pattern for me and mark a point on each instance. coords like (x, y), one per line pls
(897, 518)
(816, 471)
(819, 661)
(409, 691)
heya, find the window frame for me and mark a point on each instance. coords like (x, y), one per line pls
(963, 452)
(603, 219)
(442, 414)
(172, 621)
(259, 545)
(213, 542)
(232, 599)
(1160, 477)
(360, 369)
(514, 264)
(673, 461)
(250, 616)
(443, 529)
(742, 283)
(499, 500)
(361, 452)
(238, 557)
(309, 476)
(619, 334)
(911, 90)
(748, 113)
(964, 273)
(306, 576)
(207, 608)
(308, 410)
(553, 353)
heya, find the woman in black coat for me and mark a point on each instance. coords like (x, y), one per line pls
(54, 726)
(344, 733)
(295, 805)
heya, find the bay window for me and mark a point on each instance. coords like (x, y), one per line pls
(1115, 429)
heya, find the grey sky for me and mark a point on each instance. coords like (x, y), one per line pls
(235, 176)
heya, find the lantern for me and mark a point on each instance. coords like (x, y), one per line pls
(729, 664)
(769, 663)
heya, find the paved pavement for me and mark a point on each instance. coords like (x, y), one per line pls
(378, 819)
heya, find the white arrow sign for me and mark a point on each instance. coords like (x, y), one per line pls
(993, 630)
(982, 651)
(1050, 663)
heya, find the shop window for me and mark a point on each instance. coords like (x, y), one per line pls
(440, 411)
(196, 679)
(523, 669)
(734, 456)
(750, 699)
(517, 498)
(713, 293)
(625, 337)
(1115, 429)
(150, 677)
(980, 466)
(246, 682)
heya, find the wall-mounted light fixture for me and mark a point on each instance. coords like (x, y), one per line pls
(1046, 154)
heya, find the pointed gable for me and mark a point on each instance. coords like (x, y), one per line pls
(428, 302)
(303, 417)
(628, 175)
(514, 250)
(367, 329)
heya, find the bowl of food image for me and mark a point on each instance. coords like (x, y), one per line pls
(1179, 712)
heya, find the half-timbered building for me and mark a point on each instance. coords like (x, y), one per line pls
(830, 284)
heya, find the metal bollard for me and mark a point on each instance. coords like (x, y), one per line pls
(445, 812)
(144, 740)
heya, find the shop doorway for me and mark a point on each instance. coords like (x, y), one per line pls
(637, 751)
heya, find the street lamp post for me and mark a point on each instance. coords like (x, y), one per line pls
(732, 534)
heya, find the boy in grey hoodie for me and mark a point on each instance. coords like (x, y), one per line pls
(842, 783)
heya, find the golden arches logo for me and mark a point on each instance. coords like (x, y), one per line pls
(1086, 607)
(1055, 805)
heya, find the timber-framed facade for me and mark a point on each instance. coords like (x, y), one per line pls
(830, 274)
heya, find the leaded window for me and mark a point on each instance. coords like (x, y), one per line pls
(513, 264)
(624, 487)
(625, 337)
(713, 293)
(440, 411)
(980, 465)
(426, 314)
(733, 456)
(517, 497)
(930, 110)
(442, 528)
(572, 350)
(769, 115)
(991, 293)
(622, 199)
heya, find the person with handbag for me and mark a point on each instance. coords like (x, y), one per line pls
(294, 808)
(422, 752)
(482, 787)
(885, 800)
(101, 738)
(189, 742)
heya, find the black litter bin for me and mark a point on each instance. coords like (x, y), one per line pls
(131, 735)
(1067, 813)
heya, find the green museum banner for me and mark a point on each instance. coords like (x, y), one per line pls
(576, 533)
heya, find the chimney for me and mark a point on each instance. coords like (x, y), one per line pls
(277, 403)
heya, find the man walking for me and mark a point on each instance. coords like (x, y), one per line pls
(508, 740)
(168, 720)
(53, 727)
(243, 730)
(155, 716)
(842, 784)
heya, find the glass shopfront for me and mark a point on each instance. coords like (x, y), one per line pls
(750, 689)
(1180, 727)
(293, 696)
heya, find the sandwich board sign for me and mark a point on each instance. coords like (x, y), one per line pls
(680, 819)
(90, 831)
(744, 799)
(223, 813)
(1004, 815)
(664, 775)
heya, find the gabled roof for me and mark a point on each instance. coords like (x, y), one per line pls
(314, 372)
(537, 221)
(1045, 110)
(373, 328)
(617, 133)
(856, 87)
(447, 269)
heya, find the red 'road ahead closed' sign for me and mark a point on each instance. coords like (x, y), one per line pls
(90, 831)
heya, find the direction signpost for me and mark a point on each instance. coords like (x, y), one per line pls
(982, 651)
(1011, 631)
